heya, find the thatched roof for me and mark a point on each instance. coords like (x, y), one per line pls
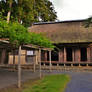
(64, 32)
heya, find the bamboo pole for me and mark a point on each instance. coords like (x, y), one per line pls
(19, 68)
(50, 61)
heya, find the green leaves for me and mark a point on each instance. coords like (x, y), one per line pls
(4, 29)
(19, 35)
(88, 22)
(40, 40)
(29, 11)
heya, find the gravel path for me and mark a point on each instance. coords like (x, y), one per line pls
(80, 81)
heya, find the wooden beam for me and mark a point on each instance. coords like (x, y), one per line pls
(19, 68)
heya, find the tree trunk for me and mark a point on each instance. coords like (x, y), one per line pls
(9, 12)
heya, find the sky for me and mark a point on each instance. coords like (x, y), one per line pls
(73, 9)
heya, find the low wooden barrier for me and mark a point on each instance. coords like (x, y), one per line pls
(56, 63)
(55, 66)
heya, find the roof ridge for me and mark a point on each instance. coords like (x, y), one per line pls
(55, 22)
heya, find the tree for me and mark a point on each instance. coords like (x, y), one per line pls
(9, 11)
(28, 11)
(88, 22)
(19, 35)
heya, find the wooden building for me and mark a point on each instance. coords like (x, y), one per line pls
(29, 53)
(72, 40)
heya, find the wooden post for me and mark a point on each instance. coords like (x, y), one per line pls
(50, 60)
(73, 55)
(40, 63)
(79, 55)
(46, 56)
(88, 54)
(13, 57)
(3, 56)
(61, 55)
(34, 63)
(19, 68)
(64, 54)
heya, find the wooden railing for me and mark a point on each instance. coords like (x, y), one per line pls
(57, 63)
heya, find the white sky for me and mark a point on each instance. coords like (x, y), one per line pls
(73, 9)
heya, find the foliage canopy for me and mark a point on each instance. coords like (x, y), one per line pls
(19, 35)
(28, 11)
(88, 22)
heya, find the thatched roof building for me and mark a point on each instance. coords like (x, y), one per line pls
(72, 37)
(65, 31)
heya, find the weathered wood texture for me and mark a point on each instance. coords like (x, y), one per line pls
(61, 55)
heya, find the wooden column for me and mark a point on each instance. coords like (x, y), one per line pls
(61, 55)
(14, 57)
(50, 60)
(73, 54)
(19, 68)
(34, 68)
(65, 54)
(40, 63)
(3, 56)
(77, 55)
(45, 56)
(88, 54)
(37, 56)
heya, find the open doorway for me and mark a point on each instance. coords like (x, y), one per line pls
(83, 54)
(54, 55)
(69, 54)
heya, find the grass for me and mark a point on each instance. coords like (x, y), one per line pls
(51, 83)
